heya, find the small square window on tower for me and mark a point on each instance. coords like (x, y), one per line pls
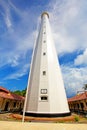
(44, 98)
(44, 41)
(43, 91)
(44, 53)
(44, 72)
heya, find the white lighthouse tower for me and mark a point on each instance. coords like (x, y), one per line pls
(46, 95)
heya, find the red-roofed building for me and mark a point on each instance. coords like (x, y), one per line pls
(78, 103)
(10, 101)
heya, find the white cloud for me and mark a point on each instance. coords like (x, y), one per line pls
(19, 38)
(6, 14)
(64, 43)
(8, 21)
(74, 78)
(81, 59)
(68, 19)
(19, 73)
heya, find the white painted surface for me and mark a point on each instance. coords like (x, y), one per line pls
(52, 81)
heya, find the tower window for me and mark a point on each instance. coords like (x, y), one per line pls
(44, 53)
(44, 72)
(44, 98)
(44, 41)
(43, 91)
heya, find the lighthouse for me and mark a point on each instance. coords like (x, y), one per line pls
(45, 95)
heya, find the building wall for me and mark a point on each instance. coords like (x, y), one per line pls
(1, 103)
(79, 106)
(10, 105)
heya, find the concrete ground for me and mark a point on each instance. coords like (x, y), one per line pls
(10, 125)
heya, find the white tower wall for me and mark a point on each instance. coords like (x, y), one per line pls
(45, 94)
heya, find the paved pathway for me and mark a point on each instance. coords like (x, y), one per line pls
(7, 125)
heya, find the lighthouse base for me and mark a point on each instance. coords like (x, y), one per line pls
(48, 114)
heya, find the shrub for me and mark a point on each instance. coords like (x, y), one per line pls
(76, 118)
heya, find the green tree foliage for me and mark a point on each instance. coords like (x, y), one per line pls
(20, 92)
(85, 87)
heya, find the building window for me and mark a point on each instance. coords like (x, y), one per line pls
(44, 41)
(14, 104)
(44, 53)
(43, 91)
(86, 103)
(44, 72)
(44, 32)
(44, 98)
(82, 105)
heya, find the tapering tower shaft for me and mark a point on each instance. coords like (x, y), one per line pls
(46, 94)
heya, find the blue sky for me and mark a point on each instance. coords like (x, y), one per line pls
(19, 20)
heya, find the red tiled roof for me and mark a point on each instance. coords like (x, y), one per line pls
(3, 89)
(4, 93)
(78, 97)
